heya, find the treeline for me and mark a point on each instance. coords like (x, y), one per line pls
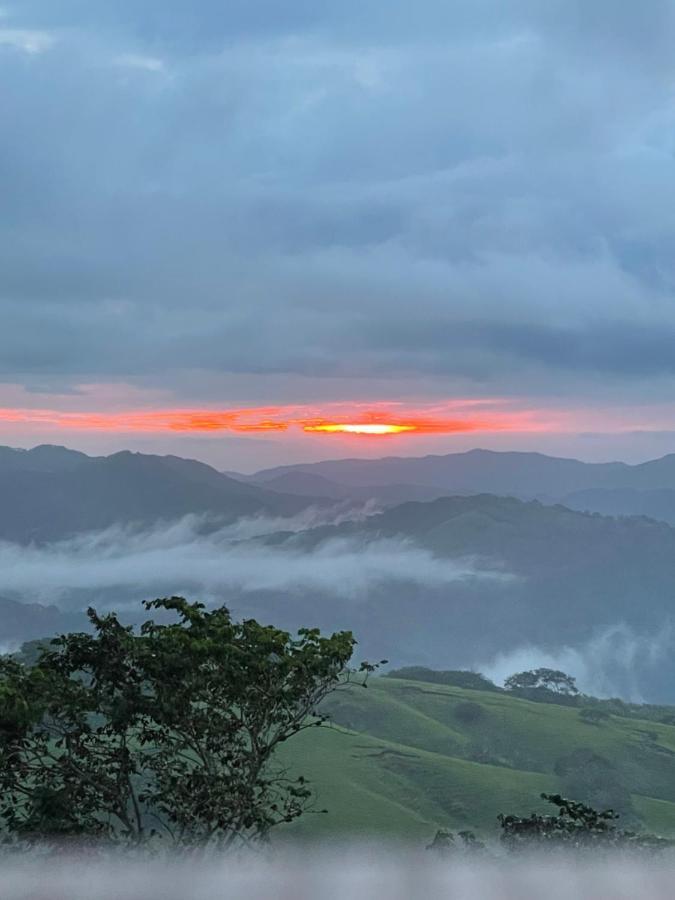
(542, 686)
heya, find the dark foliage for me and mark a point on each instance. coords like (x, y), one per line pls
(457, 678)
(575, 827)
(544, 686)
(552, 680)
(169, 732)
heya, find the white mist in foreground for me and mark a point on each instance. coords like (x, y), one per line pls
(347, 876)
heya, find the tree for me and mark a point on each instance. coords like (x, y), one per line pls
(575, 827)
(168, 732)
(548, 679)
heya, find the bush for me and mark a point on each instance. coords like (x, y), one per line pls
(576, 826)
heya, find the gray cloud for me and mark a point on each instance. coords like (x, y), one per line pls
(477, 192)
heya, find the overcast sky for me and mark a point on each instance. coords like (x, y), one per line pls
(220, 205)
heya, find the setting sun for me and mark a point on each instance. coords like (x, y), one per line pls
(372, 428)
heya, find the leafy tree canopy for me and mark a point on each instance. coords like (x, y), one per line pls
(549, 679)
(166, 732)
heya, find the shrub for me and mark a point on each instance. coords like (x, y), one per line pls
(576, 826)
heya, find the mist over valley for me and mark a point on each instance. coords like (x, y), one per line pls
(466, 580)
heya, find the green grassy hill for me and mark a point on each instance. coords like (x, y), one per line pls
(404, 758)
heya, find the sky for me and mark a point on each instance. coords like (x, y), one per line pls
(228, 228)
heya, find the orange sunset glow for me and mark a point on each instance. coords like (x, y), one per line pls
(387, 420)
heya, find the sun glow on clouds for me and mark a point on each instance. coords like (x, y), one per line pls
(354, 420)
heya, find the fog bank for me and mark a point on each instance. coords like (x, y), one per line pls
(364, 877)
(183, 557)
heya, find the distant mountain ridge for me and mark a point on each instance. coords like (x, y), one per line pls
(21, 621)
(43, 458)
(447, 583)
(614, 488)
(484, 470)
(49, 493)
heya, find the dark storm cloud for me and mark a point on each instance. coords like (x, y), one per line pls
(478, 190)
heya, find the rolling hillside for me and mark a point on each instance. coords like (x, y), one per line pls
(404, 758)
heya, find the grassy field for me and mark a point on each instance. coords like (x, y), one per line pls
(404, 758)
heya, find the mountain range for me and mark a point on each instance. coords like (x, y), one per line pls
(612, 488)
(51, 493)
(494, 572)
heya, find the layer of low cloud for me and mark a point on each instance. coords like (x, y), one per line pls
(181, 558)
(475, 193)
